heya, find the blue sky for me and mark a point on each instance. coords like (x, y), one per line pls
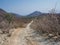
(25, 7)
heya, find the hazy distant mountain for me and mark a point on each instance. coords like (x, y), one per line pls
(36, 13)
(16, 15)
(2, 12)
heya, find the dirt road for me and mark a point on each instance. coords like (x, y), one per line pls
(19, 35)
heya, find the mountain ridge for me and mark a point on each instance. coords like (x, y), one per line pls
(35, 13)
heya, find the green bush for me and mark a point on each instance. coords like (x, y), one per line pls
(9, 17)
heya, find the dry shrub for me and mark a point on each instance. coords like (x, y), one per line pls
(46, 24)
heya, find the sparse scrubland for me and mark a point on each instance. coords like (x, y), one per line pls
(44, 30)
(47, 24)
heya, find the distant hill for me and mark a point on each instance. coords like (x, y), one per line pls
(35, 13)
(16, 15)
(2, 11)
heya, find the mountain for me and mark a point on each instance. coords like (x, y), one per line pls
(16, 15)
(2, 12)
(36, 13)
(2, 15)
